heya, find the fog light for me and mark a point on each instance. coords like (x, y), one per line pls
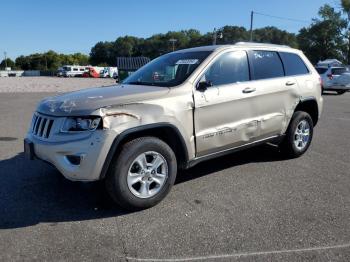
(74, 160)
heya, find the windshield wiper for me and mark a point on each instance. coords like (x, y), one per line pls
(141, 83)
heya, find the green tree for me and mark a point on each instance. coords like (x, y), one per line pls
(80, 59)
(274, 35)
(345, 4)
(101, 53)
(23, 62)
(50, 60)
(324, 38)
(232, 34)
(8, 62)
(124, 46)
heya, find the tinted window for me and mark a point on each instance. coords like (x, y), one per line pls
(321, 70)
(293, 65)
(229, 68)
(266, 64)
(338, 71)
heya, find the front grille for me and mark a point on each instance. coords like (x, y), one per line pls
(42, 126)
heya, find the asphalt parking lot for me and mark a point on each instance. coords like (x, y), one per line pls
(248, 206)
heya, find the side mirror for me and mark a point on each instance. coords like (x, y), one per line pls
(203, 85)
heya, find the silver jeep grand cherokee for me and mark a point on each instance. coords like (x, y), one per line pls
(180, 109)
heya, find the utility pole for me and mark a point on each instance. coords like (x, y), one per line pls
(251, 25)
(215, 36)
(173, 41)
(5, 54)
(45, 63)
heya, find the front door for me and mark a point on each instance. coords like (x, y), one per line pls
(226, 113)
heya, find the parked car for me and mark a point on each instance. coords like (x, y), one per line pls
(208, 102)
(111, 72)
(334, 78)
(60, 72)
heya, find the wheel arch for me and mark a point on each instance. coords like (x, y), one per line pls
(310, 106)
(164, 131)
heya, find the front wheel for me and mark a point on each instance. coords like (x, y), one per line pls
(142, 174)
(298, 136)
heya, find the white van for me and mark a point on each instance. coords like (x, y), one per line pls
(73, 70)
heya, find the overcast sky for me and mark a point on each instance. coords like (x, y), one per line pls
(75, 26)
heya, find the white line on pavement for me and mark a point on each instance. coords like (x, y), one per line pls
(238, 255)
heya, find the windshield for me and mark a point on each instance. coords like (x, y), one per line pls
(168, 70)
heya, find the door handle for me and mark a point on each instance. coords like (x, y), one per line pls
(248, 90)
(290, 83)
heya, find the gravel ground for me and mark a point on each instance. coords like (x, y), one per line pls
(49, 84)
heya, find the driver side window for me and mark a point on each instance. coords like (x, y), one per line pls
(230, 68)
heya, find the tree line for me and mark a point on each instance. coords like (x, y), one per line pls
(328, 36)
(106, 52)
(45, 61)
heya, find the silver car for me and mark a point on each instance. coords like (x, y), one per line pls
(178, 110)
(334, 78)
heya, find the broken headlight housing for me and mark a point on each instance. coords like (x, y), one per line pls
(78, 124)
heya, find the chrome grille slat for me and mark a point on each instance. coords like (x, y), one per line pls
(45, 127)
(42, 126)
(35, 118)
(49, 126)
(37, 126)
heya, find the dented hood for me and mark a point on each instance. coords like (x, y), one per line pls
(86, 101)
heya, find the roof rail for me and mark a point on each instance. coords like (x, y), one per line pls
(261, 44)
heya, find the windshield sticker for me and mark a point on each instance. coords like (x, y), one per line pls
(187, 62)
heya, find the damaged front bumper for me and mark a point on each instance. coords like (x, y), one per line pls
(77, 160)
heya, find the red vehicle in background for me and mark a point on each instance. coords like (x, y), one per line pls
(93, 71)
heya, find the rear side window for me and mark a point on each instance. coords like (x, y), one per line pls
(266, 64)
(321, 70)
(229, 68)
(338, 71)
(293, 64)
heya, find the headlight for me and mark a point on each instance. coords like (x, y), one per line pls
(73, 124)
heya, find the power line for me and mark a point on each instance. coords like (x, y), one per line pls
(283, 18)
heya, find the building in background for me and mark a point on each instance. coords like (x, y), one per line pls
(128, 65)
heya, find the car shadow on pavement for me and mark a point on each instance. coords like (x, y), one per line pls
(331, 94)
(262, 153)
(33, 192)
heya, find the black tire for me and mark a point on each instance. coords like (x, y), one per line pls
(116, 180)
(288, 146)
(340, 92)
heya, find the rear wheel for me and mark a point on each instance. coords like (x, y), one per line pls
(298, 136)
(143, 173)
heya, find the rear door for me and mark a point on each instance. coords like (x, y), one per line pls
(276, 94)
